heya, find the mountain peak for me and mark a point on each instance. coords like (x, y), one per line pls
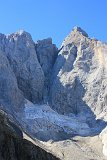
(80, 30)
(22, 32)
(19, 33)
(75, 36)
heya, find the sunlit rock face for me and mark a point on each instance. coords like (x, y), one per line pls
(79, 79)
(20, 51)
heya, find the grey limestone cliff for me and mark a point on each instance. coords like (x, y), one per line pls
(20, 51)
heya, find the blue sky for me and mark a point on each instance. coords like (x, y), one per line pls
(54, 18)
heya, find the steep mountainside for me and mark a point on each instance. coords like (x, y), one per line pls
(57, 96)
(47, 54)
(20, 51)
(10, 96)
(80, 76)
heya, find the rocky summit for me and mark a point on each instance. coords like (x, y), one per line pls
(54, 98)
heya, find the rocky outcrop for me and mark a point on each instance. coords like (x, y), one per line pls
(20, 51)
(47, 54)
(79, 80)
(14, 147)
(11, 98)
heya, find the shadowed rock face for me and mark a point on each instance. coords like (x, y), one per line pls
(79, 78)
(13, 147)
(20, 51)
(11, 98)
(47, 54)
